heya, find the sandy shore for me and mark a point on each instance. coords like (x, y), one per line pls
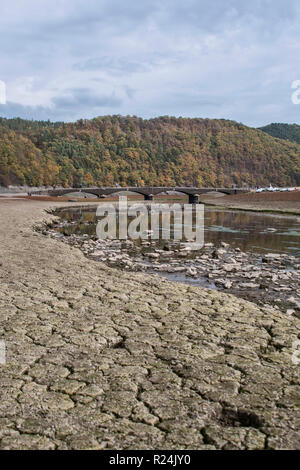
(103, 359)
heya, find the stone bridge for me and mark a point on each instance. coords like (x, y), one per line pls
(148, 191)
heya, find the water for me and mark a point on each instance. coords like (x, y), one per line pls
(249, 231)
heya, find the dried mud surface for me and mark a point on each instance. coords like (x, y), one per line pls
(98, 358)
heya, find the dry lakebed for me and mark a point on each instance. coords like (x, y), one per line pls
(111, 357)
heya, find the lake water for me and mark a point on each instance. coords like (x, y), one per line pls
(249, 231)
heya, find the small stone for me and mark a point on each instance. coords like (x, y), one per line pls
(290, 311)
(228, 285)
(224, 245)
(249, 285)
(153, 255)
(191, 271)
(97, 253)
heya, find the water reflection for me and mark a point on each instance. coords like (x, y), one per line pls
(248, 231)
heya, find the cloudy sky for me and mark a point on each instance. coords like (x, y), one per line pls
(71, 59)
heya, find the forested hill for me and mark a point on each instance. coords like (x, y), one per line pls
(283, 131)
(130, 150)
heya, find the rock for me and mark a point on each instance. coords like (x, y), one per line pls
(249, 285)
(293, 301)
(228, 285)
(264, 286)
(224, 283)
(167, 254)
(231, 260)
(191, 271)
(178, 269)
(290, 311)
(153, 255)
(97, 253)
(128, 263)
(217, 253)
(229, 267)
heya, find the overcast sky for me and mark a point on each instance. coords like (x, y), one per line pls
(72, 59)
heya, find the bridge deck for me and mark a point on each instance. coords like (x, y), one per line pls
(148, 192)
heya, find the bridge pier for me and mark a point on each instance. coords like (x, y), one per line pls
(148, 192)
(193, 198)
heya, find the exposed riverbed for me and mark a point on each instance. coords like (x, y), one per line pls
(102, 358)
(254, 256)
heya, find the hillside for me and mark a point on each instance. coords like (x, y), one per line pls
(130, 150)
(283, 131)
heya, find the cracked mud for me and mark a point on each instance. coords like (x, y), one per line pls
(98, 358)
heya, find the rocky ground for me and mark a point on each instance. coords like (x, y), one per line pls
(269, 279)
(99, 358)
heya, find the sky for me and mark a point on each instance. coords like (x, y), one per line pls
(65, 60)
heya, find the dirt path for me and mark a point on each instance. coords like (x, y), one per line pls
(103, 359)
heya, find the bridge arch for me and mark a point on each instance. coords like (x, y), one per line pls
(147, 192)
(116, 191)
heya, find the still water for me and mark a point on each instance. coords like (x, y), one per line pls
(249, 231)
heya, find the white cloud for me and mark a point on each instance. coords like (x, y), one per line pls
(231, 59)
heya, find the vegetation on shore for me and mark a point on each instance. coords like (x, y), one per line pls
(129, 150)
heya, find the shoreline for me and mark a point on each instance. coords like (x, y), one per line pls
(253, 209)
(276, 203)
(103, 359)
(268, 278)
(250, 202)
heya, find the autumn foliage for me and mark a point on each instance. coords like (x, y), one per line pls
(129, 150)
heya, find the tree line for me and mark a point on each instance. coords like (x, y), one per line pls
(129, 150)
